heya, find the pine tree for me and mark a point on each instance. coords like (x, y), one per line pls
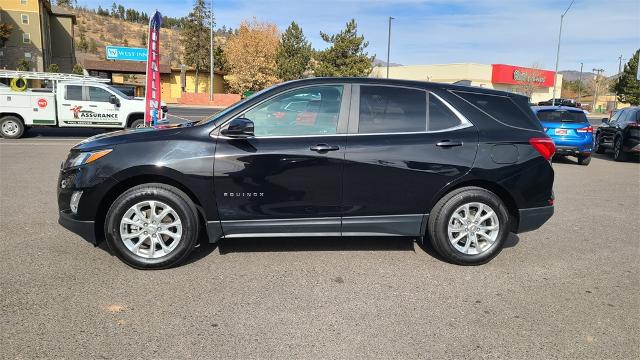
(346, 56)
(78, 69)
(82, 44)
(5, 33)
(114, 10)
(53, 68)
(93, 47)
(294, 53)
(195, 37)
(627, 86)
(143, 37)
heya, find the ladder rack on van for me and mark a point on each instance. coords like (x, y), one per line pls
(36, 75)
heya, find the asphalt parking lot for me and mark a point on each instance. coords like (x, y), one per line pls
(568, 290)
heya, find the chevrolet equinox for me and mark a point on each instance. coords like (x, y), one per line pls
(458, 166)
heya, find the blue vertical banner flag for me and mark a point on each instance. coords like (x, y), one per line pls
(152, 94)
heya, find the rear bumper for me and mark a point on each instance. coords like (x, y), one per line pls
(86, 229)
(533, 218)
(573, 150)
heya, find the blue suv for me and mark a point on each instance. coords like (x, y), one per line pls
(569, 129)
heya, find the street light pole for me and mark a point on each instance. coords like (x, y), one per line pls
(580, 83)
(211, 53)
(555, 75)
(389, 45)
(615, 104)
(595, 87)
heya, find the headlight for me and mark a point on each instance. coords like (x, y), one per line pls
(81, 158)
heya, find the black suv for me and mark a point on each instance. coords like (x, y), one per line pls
(460, 166)
(560, 102)
(620, 133)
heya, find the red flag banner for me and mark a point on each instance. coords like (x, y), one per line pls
(153, 110)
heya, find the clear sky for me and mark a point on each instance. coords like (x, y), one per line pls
(517, 32)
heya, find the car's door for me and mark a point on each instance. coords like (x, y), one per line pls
(287, 179)
(404, 145)
(103, 112)
(608, 130)
(70, 102)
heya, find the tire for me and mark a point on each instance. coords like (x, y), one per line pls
(442, 214)
(167, 250)
(618, 153)
(597, 145)
(139, 123)
(11, 127)
(584, 160)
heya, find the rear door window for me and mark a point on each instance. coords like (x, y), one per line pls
(73, 92)
(501, 108)
(560, 116)
(389, 109)
(440, 116)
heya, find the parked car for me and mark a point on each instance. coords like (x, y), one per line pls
(621, 133)
(569, 129)
(560, 102)
(461, 167)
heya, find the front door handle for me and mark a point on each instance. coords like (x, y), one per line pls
(323, 148)
(66, 104)
(93, 105)
(449, 143)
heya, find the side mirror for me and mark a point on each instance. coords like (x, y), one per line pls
(240, 128)
(605, 120)
(114, 100)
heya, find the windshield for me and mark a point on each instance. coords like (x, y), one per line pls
(562, 116)
(119, 93)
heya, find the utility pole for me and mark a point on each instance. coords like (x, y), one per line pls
(615, 106)
(598, 72)
(555, 75)
(580, 83)
(211, 72)
(389, 45)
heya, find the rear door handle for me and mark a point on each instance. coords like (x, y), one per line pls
(93, 105)
(449, 143)
(323, 148)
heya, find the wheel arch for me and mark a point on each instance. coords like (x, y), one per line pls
(495, 188)
(133, 117)
(120, 187)
(5, 113)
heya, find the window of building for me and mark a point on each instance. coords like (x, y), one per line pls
(25, 19)
(23, 2)
(27, 55)
(26, 38)
(387, 109)
(440, 116)
(74, 92)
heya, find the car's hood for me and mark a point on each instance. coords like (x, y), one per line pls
(130, 135)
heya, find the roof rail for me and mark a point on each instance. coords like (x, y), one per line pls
(36, 75)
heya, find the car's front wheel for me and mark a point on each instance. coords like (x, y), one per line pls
(618, 153)
(152, 226)
(469, 226)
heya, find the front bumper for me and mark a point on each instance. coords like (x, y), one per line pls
(86, 229)
(533, 218)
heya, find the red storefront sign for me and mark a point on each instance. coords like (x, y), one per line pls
(509, 74)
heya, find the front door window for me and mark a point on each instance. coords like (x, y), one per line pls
(312, 110)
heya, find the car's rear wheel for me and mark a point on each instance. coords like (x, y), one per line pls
(597, 145)
(469, 226)
(584, 159)
(136, 124)
(152, 226)
(618, 153)
(11, 127)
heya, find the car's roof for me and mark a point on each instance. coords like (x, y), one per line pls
(557, 107)
(397, 82)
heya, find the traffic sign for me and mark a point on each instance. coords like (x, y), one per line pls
(126, 53)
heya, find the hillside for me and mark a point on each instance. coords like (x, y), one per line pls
(104, 30)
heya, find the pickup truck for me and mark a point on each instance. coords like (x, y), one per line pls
(70, 104)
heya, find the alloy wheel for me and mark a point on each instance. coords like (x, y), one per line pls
(473, 228)
(151, 229)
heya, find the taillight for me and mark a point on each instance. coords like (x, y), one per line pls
(544, 146)
(634, 125)
(587, 129)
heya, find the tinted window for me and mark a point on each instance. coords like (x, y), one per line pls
(440, 117)
(74, 92)
(562, 116)
(311, 110)
(501, 108)
(615, 116)
(392, 109)
(98, 94)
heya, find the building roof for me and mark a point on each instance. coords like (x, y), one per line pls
(138, 67)
(60, 11)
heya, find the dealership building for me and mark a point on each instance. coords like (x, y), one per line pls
(535, 83)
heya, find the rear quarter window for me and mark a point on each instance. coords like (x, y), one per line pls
(502, 109)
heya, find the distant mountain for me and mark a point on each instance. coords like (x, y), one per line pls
(572, 75)
(378, 62)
